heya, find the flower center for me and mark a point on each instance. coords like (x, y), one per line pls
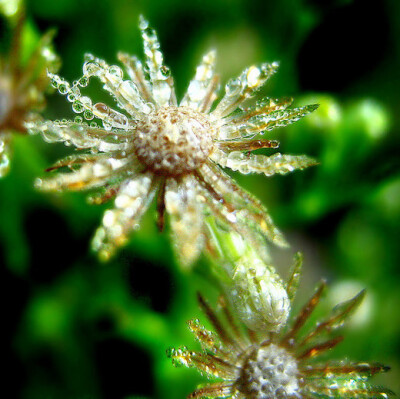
(174, 141)
(270, 372)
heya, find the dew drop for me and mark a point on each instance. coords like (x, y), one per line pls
(233, 87)
(88, 114)
(253, 76)
(143, 24)
(115, 71)
(101, 108)
(73, 94)
(83, 81)
(88, 57)
(90, 68)
(63, 88)
(77, 107)
(165, 71)
(54, 82)
(150, 34)
(149, 107)
(78, 119)
(71, 97)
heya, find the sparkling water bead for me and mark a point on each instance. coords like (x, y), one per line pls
(77, 107)
(88, 114)
(83, 81)
(115, 71)
(63, 88)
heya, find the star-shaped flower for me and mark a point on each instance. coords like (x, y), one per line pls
(284, 365)
(22, 84)
(159, 148)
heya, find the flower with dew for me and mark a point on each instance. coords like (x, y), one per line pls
(159, 148)
(22, 83)
(256, 365)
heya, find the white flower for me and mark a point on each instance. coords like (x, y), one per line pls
(278, 365)
(159, 148)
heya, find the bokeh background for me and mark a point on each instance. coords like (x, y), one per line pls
(79, 329)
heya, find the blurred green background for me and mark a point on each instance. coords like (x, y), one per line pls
(79, 329)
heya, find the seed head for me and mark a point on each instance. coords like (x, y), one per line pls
(173, 141)
(269, 372)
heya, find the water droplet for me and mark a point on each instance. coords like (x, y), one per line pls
(115, 71)
(253, 76)
(150, 34)
(120, 119)
(77, 107)
(148, 108)
(63, 88)
(54, 81)
(78, 119)
(233, 87)
(101, 108)
(268, 69)
(71, 97)
(88, 57)
(83, 81)
(73, 94)
(88, 114)
(129, 90)
(165, 71)
(143, 24)
(93, 124)
(90, 68)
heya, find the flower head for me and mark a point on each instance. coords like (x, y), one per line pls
(22, 84)
(157, 147)
(278, 365)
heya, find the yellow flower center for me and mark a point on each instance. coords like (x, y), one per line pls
(174, 141)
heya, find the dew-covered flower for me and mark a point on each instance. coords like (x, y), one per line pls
(22, 83)
(174, 151)
(255, 365)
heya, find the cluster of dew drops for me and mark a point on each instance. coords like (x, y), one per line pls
(95, 67)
